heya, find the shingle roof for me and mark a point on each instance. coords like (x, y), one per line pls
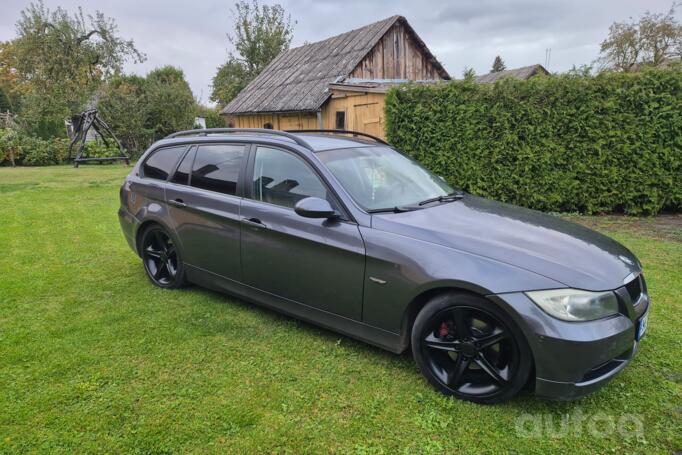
(523, 73)
(297, 79)
(376, 85)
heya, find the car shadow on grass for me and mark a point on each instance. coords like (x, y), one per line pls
(524, 402)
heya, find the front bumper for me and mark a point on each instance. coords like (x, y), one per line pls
(573, 359)
(596, 378)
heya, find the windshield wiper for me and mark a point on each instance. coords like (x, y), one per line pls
(396, 209)
(445, 198)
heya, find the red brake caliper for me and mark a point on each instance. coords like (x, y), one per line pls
(442, 330)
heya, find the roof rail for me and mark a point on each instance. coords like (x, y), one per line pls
(207, 131)
(354, 133)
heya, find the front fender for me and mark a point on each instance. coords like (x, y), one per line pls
(399, 269)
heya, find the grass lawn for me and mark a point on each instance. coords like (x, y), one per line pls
(93, 358)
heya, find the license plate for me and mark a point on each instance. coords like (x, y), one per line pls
(642, 326)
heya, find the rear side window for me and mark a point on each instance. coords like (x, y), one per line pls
(181, 175)
(161, 162)
(216, 167)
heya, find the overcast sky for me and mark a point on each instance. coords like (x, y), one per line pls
(461, 33)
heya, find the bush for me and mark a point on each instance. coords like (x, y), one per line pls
(40, 152)
(97, 149)
(212, 116)
(10, 146)
(30, 150)
(611, 143)
(37, 152)
(34, 151)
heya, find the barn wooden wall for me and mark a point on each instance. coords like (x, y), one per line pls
(396, 56)
(364, 112)
(296, 121)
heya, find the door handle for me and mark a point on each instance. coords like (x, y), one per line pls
(255, 222)
(177, 203)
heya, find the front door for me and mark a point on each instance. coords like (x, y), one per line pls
(316, 262)
(204, 206)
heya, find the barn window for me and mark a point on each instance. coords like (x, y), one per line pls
(340, 120)
(268, 126)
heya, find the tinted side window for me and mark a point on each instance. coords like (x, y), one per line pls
(182, 173)
(216, 167)
(283, 179)
(161, 162)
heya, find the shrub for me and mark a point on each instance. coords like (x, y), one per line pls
(60, 147)
(30, 150)
(38, 152)
(41, 152)
(611, 143)
(10, 147)
(212, 116)
(97, 149)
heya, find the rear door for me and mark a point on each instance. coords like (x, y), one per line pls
(147, 188)
(204, 202)
(316, 262)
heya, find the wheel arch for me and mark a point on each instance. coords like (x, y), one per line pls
(146, 224)
(422, 298)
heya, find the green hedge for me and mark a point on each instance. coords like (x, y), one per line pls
(611, 143)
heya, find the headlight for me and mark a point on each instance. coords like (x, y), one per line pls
(575, 305)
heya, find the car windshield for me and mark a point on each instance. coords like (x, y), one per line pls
(379, 178)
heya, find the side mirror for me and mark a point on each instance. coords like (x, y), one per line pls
(314, 207)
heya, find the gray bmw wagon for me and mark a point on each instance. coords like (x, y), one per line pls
(341, 230)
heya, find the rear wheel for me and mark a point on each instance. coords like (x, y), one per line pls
(467, 347)
(161, 258)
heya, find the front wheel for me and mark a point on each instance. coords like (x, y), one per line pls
(467, 347)
(161, 258)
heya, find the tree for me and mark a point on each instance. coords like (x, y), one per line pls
(498, 65)
(10, 88)
(230, 79)
(653, 40)
(171, 105)
(581, 71)
(261, 33)
(4, 101)
(468, 74)
(123, 104)
(60, 59)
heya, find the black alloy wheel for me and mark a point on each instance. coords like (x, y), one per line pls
(468, 348)
(161, 258)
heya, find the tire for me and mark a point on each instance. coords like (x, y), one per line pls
(161, 258)
(467, 347)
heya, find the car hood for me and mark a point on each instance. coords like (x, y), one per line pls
(547, 245)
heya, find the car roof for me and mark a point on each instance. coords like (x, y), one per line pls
(318, 141)
(322, 141)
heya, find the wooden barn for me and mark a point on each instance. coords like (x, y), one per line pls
(338, 83)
